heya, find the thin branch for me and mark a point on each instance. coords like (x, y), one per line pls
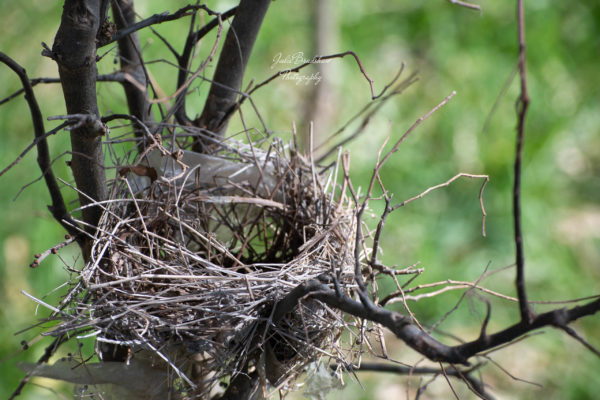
(485, 178)
(464, 375)
(31, 145)
(505, 87)
(114, 77)
(522, 105)
(33, 83)
(50, 350)
(466, 5)
(402, 138)
(229, 73)
(132, 62)
(157, 19)
(317, 59)
(181, 89)
(448, 381)
(573, 333)
(58, 207)
(369, 111)
(185, 57)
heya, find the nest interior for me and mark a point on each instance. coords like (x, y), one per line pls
(194, 251)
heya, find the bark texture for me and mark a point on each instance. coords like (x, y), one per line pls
(232, 64)
(74, 50)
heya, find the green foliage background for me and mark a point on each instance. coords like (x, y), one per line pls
(451, 48)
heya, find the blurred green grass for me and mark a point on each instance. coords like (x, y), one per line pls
(451, 48)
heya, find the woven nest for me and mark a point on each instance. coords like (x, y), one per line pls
(194, 251)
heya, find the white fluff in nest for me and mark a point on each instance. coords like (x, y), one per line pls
(189, 168)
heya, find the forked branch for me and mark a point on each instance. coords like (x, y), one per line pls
(414, 336)
(58, 207)
(234, 57)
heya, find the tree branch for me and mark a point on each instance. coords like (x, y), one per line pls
(230, 70)
(465, 375)
(184, 61)
(127, 30)
(522, 105)
(58, 207)
(418, 339)
(48, 352)
(132, 63)
(74, 51)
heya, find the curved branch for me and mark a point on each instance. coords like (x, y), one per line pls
(58, 207)
(474, 384)
(125, 31)
(418, 339)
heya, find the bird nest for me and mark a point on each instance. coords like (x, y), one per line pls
(194, 252)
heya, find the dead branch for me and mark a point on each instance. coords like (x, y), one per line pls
(156, 19)
(48, 352)
(419, 340)
(185, 57)
(466, 5)
(522, 105)
(58, 207)
(445, 184)
(477, 386)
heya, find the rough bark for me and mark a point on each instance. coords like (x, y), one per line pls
(131, 63)
(232, 64)
(74, 50)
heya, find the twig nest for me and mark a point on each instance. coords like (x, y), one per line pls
(195, 250)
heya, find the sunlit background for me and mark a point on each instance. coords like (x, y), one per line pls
(451, 49)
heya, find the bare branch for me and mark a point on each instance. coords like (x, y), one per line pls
(475, 384)
(573, 333)
(50, 350)
(156, 19)
(369, 112)
(115, 77)
(316, 59)
(522, 105)
(230, 70)
(448, 182)
(185, 57)
(418, 339)
(133, 64)
(466, 5)
(74, 50)
(58, 208)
